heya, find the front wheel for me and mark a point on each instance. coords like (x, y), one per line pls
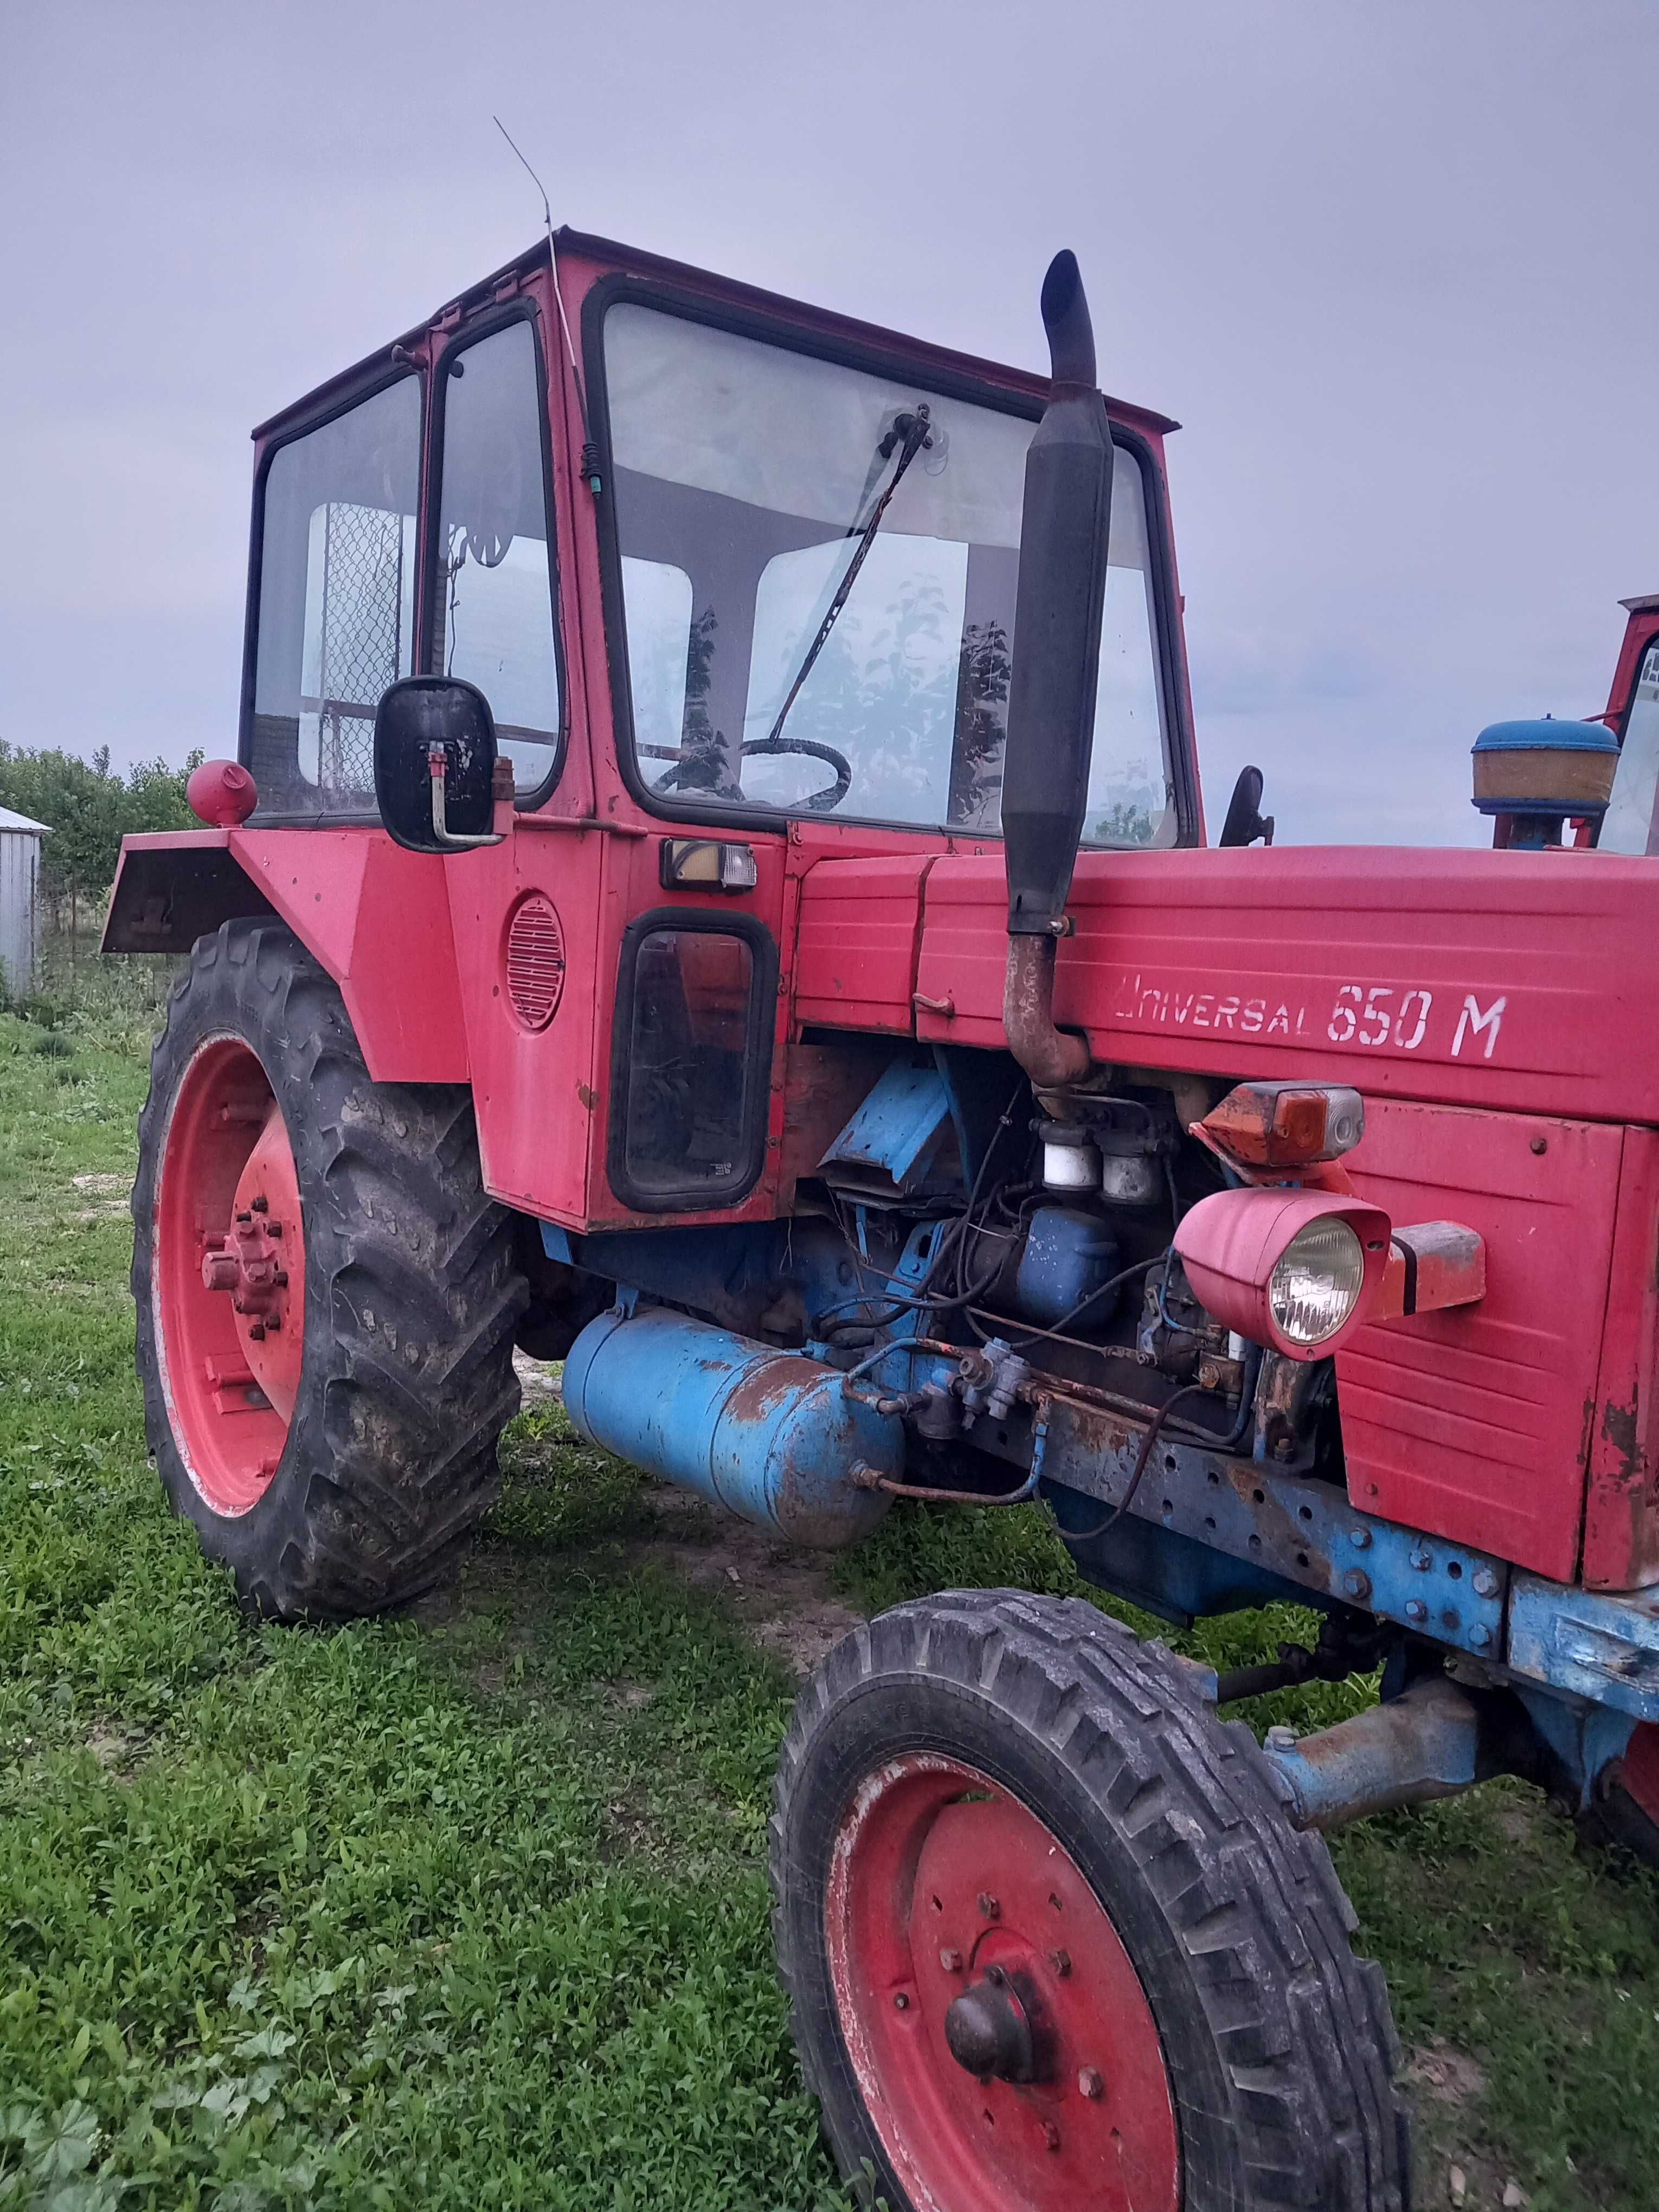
(326, 1297)
(1624, 1810)
(1051, 1944)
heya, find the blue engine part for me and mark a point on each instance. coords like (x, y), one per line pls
(903, 1141)
(772, 1435)
(1426, 1743)
(1067, 1255)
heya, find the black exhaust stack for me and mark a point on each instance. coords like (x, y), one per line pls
(1051, 704)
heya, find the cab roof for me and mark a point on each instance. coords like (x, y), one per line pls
(614, 258)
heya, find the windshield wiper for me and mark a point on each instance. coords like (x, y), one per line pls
(909, 434)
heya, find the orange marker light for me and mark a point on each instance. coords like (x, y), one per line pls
(1285, 1125)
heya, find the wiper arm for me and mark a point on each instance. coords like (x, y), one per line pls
(909, 434)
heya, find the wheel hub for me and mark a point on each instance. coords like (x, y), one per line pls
(230, 1276)
(988, 2032)
(248, 1263)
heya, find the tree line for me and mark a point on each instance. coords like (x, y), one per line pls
(89, 807)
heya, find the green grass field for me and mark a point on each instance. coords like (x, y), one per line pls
(468, 1908)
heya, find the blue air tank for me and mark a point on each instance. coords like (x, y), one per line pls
(773, 1435)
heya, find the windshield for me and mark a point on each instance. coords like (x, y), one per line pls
(1628, 825)
(745, 479)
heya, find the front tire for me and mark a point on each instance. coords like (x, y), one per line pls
(326, 1297)
(1050, 1942)
(1624, 1810)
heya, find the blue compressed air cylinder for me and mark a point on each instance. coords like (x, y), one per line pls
(772, 1435)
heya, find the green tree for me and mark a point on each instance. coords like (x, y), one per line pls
(88, 809)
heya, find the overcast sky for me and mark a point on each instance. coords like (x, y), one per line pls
(1392, 265)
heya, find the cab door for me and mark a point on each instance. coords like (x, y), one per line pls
(500, 612)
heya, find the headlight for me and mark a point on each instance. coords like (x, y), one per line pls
(1295, 1271)
(1316, 1281)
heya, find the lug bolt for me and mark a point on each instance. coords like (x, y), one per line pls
(1485, 1583)
(1360, 1539)
(273, 1322)
(260, 1204)
(1415, 1609)
(951, 1960)
(245, 1217)
(273, 1229)
(1061, 1963)
(1480, 1635)
(1051, 2135)
(1280, 1738)
(901, 2003)
(988, 1905)
(1422, 1560)
(257, 1332)
(1356, 1584)
(281, 1279)
(1088, 2083)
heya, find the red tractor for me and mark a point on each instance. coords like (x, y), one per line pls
(714, 889)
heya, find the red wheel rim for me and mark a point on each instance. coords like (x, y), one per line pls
(228, 1276)
(1641, 1769)
(940, 1880)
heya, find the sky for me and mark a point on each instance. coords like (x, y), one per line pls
(1391, 265)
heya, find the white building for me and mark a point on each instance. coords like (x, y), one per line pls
(20, 898)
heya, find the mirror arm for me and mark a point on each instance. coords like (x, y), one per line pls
(437, 765)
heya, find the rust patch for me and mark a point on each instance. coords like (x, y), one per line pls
(589, 1097)
(1619, 1429)
(773, 1386)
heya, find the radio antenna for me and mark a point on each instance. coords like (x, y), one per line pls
(590, 465)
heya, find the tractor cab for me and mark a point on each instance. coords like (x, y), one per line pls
(714, 557)
(738, 581)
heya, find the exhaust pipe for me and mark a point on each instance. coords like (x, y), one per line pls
(1051, 704)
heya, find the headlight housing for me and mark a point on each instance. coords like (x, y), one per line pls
(1317, 1280)
(1295, 1271)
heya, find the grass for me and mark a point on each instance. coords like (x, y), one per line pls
(468, 1908)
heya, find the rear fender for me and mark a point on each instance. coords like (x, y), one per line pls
(375, 917)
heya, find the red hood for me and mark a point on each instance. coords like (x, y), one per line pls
(1524, 981)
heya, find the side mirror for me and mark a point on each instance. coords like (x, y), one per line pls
(434, 764)
(1245, 821)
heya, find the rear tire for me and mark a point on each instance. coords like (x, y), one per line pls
(359, 1493)
(1124, 1864)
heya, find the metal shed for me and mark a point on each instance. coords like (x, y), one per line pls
(20, 898)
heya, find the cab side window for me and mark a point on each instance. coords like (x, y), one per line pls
(336, 602)
(493, 620)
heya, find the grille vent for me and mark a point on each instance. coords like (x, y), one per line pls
(535, 962)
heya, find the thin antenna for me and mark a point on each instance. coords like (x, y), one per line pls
(590, 464)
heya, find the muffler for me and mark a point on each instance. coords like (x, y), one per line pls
(1062, 597)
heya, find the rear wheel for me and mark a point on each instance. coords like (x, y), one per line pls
(1050, 1942)
(325, 1296)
